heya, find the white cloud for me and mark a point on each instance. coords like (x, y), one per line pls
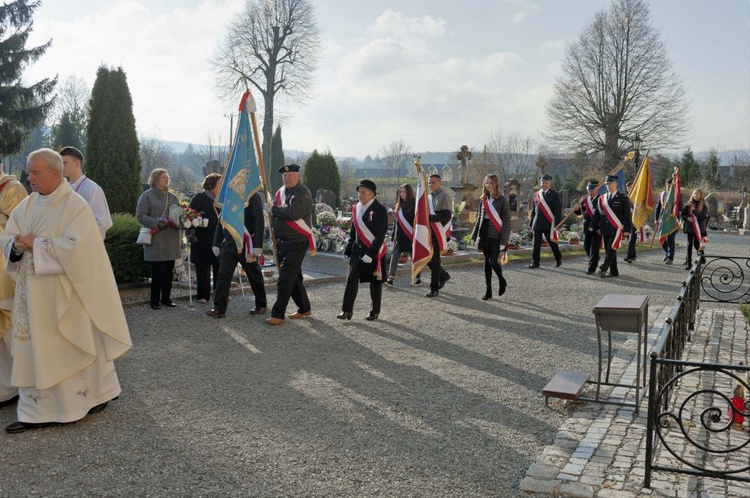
(518, 17)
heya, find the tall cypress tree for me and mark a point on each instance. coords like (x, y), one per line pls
(113, 159)
(22, 108)
(321, 171)
(277, 161)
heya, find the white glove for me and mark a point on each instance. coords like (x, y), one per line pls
(366, 259)
(215, 250)
(502, 248)
(257, 251)
(267, 207)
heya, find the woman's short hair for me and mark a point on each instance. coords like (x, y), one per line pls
(155, 175)
(210, 181)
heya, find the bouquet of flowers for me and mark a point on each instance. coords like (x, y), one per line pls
(514, 239)
(452, 245)
(326, 218)
(574, 237)
(183, 216)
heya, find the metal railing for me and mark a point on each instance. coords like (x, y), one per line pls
(690, 406)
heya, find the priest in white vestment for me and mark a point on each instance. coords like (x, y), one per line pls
(68, 322)
(11, 194)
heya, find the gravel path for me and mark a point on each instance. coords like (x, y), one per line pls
(437, 398)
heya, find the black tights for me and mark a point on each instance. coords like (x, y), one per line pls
(492, 263)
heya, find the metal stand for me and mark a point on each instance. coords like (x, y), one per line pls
(622, 313)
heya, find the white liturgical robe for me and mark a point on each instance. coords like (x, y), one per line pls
(68, 321)
(94, 195)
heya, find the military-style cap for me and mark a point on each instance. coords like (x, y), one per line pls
(611, 179)
(289, 168)
(369, 185)
(592, 185)
(546, 177)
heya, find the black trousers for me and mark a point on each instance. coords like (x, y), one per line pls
(592, 244)
(632, 242)
(228, 259)
(203, 273)
(668, 246)
(437, 274)
(290, 284)
(610, 260)
(352, 287)
(692, 241)
(536, 252)
(491, 251)
(161, 281)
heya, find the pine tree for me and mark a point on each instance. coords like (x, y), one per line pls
(65, 133)
(321, 171)
(689, 169)
(277, 161)
(22, 108)
(711, 170)
(112, 156)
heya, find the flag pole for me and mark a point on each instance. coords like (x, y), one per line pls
(252, 108)
(602, 182)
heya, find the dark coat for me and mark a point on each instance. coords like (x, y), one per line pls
(254, 222)
(540, 222)
(620, 205)
(485, 229)
(376, 219)
(587, 220)
(203, 237)
(402, 240)
(298, 206)
(701, 214)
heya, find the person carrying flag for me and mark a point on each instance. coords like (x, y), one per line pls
(668, 244)
(633, 234)
(225, 247)
(491, 232)
(546, 213)
(695, 218)
(365, 250)
(403, 231)
(441, 211)
(587, 206)
(292, 222)
(613, 218)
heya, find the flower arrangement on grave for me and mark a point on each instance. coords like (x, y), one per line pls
(574, 237)
(514, 240)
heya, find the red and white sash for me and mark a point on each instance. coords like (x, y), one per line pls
(404, 224)
(697, 232)
(613, 220)
(443, 230)
(297, 225)
(493, 215)
(367, 237)
(248, 245)
(590, 208)
(544, 208)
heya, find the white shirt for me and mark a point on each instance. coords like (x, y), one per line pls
(94, 196)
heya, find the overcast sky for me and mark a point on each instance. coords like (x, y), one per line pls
(435, 73)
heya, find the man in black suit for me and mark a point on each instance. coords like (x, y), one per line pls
(613, 218)
(365, 250)
(591, 237)
(546, 213)
(226, 249)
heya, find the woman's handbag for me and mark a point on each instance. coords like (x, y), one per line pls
(144, 236)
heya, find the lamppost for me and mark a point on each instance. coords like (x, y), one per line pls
(637, 142)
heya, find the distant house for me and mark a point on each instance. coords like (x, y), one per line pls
(450, 173)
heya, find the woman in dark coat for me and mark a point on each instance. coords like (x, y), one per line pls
(695, 207)
(152, 212)
(201, 241)
(401, 237)
(491, 232)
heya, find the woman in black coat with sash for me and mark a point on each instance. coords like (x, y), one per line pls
(695, 207)
(491, 241)
(201, 241)
(402, 239)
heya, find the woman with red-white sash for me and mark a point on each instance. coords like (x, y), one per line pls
(695, 218)
(403, 231)
(491, 232)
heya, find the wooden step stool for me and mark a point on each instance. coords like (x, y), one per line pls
(565, 385)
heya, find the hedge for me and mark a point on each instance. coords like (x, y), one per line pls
(124, 254)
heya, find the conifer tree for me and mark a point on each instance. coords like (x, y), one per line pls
(112, 155)
(22, 108)
(277, 161)
(321, 171)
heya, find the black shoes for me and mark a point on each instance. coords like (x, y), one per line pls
(503, 286)
(345, 315)
(98, 408)
(534, 265)
(602, 273)
(558, 263)
(259, 311)
(19, 427)
(433, 293)
(443, 281)
(214, 313)
(487, 295)
(389, 282)
(629, 260)
(169, 304)
(372, 316)
(591, 272)
(9, 402)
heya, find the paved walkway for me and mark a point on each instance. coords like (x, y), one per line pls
(600, 450)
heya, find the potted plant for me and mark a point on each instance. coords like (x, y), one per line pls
(514, 240)
(574, 238)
